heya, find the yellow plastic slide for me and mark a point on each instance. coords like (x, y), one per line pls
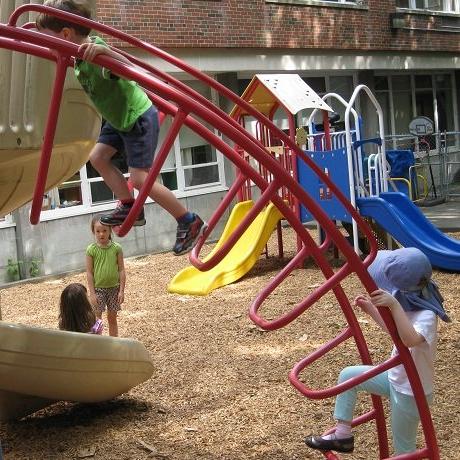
(41, 366)
(238, 261)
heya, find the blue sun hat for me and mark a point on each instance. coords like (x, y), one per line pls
(406, 274)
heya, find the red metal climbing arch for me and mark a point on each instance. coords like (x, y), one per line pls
(188, 108)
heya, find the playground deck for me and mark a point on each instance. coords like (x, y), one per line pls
(445, 216)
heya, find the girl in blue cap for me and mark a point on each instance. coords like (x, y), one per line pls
(407, 290)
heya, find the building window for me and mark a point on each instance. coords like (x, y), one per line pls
(200, 165)
(404, 97)
(192, 166)
(99, 192)
(383, 97)
(352, 2)
(326, 3)
(403, 110)
(446, 6)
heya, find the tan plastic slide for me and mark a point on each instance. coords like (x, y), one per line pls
(41, 366)
(23, 114)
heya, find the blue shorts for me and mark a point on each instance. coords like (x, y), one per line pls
(139, 144)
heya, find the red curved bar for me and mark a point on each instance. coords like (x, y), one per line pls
(341, 387)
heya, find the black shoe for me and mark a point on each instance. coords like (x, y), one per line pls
(119, 215)
(187, 235)
(344, 445)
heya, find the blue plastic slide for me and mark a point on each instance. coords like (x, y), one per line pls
(398, 216)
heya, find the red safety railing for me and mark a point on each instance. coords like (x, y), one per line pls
(189, 108)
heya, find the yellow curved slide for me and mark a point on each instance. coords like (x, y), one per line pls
(41, 366)
(238, 261)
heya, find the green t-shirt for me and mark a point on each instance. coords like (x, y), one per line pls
(105, 264)
(121, 102)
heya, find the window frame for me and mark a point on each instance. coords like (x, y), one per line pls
(342, 1)
(412, 6)
(353, 4)
(7, 221)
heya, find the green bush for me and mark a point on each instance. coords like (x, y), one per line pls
(12, 270)
(34, 267)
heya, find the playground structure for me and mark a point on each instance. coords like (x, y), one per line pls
(380, 183)
(51, 365)
(264, 94)
(363, 177)
(192, 110)
(361, 168)
(368, 183)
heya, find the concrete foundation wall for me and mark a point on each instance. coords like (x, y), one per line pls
(7, 251)
(58, 246)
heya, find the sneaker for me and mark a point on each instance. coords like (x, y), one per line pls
(344, 445)
(187, 235)
(119, 215)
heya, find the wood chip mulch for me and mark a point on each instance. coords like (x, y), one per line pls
(220, 389)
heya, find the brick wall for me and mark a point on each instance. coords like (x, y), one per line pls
(258, 24)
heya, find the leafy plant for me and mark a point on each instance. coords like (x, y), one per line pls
(34, 268)
(12, 270)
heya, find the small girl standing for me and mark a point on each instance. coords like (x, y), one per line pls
(105, 272)
(76, 313)
(407, 290)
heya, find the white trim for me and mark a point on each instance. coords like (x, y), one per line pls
(7, 222)
(444, 9)
(435, 102)
(248, 62)
(356, 4)
(199, 166)
(219, 156)
(178, 160)
(85, 186)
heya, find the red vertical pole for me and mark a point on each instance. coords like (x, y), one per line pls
(153, 172)
(48, 140)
